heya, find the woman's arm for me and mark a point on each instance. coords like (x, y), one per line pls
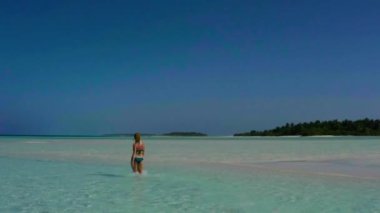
(133, 150)
(144, 147)
(133, 158)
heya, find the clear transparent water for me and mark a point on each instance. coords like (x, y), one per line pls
(213, 174)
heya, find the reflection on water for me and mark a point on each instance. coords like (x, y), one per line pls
(108, 175)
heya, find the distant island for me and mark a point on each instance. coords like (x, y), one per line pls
(185, 134)
(363, 127)
(148, 134)
(126, 134)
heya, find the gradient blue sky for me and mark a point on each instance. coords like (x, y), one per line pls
(220, 67)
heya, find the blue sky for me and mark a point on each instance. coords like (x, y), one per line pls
(220, 67)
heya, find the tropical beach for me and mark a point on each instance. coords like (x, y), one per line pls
(189, 106)
(263, 174)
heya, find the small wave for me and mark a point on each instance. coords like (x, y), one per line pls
(144, 173)
(33, 142)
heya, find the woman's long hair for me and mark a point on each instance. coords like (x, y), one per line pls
(137, 137)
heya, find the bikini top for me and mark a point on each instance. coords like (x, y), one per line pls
(139, 148)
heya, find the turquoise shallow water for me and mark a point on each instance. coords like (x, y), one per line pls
(214, 174)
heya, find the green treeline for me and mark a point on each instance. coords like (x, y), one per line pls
(363, 127)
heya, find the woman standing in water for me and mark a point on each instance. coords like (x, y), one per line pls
(138, 154)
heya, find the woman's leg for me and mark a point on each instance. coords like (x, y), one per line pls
(140, 167)
(133, 165)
